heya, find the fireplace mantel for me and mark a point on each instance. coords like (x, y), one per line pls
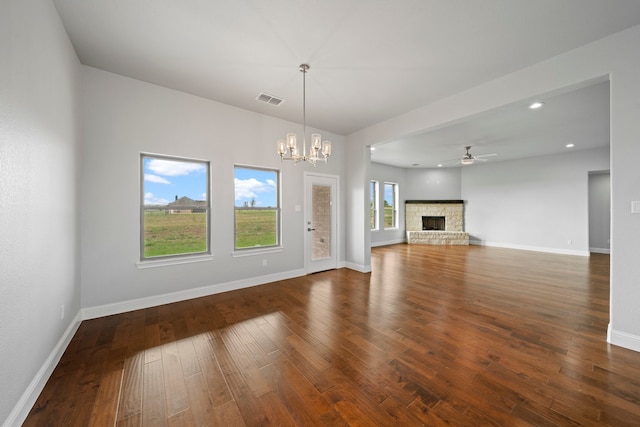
(434, 202)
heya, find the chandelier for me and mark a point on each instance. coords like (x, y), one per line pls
(319, 151)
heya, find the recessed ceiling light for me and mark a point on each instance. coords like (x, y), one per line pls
(373, 148)
(536, 105)
(439, 165)
(570, 145)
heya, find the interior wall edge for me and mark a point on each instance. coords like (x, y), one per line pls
(529, 248)
(623, 339)
(22, 408)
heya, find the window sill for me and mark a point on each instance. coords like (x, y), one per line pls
(256, 251)
(173, 261)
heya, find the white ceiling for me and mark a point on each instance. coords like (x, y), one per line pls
(370, 60)
(578, 116)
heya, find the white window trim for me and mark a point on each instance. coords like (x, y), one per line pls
(376, 205)
(259, 250)
(256, 250)
(173, 259)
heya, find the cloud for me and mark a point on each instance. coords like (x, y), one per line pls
(251, 188)
(155, 179)
(150, 199)
(174, 168)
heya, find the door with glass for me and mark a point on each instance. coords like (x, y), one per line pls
(320, 223)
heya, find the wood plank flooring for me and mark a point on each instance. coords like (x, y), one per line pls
(434, 336)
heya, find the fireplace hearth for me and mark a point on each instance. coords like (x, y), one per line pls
(433, 223)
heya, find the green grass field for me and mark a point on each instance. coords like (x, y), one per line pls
(388, 218)
(184, 233)
(172, 234)
(256, 227)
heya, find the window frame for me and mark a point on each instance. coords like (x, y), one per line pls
(394, 211)
(249, 250)
(159, 260)
(374, 204)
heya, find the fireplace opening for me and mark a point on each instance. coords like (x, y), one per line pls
(433, 223)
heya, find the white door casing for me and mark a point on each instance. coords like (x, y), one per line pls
(321, 228)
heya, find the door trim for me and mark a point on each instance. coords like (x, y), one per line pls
(307, 214)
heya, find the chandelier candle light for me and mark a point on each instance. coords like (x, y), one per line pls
(288, 149)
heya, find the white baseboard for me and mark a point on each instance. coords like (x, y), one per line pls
(529, 248)
(388, 242)
(30, 395)
(358, 267)
(623, 339)
(600, 250)
(156, 300)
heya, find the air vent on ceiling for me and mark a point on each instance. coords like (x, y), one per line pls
(269, 99)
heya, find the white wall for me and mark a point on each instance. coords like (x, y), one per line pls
(538, 203)
(614, 57)
(38, 200)
(357, 179)
(385, 173)
(123, 117)
(599, 212)
(433, 184)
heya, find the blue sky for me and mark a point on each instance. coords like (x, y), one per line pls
(388, 194)
(166, 179)
(255, 184)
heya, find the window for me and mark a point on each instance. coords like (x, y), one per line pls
(373, 205)
(175, 206)
(390, 205)
(257, 207)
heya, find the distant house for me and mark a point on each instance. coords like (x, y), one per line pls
(185, 204)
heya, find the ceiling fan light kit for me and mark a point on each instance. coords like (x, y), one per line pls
(319, 151)
(469, 158)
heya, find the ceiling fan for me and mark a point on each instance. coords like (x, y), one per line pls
(469, 158)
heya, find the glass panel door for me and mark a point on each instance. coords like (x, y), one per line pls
(320, 223)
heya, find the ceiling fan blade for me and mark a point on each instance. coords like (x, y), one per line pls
(450, 161)
(468, 157)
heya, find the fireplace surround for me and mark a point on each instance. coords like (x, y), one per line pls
(435, 222)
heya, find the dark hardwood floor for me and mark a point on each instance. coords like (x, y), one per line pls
(457, 336)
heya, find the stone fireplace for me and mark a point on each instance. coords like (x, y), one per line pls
(435, 222)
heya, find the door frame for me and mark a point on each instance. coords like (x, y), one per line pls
(335, 229)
